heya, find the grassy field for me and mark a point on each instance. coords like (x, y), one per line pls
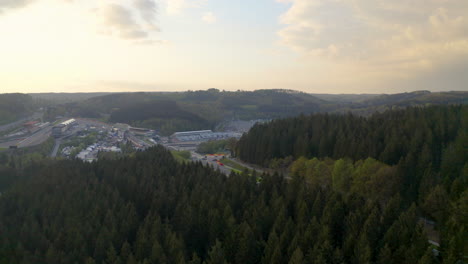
(181, 156)
(236, 166)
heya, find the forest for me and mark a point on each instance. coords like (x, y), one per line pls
(148, 208)
(426, 146)
(335, 206)
(14, 106)
(211, 107)
(389, 136)
(167, 116)
(217, 146)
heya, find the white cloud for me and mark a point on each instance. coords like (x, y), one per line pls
(176, 7)
(382, 35)
(209, 18)
(135, 22)
(10, 4)
(132, 20)
(118, 20)
(148, 12)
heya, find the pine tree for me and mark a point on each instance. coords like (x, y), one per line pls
(216, 254)
(385, 255)
(195, 259)
(297, 257)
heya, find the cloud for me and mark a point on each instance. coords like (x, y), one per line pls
(209, 18)
(148, 11)
(385, 36)
(118, 20)
(11, 4)
(17, 4)
(176, 7)
(136, 22)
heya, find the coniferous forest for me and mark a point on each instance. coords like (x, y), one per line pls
(357, 191)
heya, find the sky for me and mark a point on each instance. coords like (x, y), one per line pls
(316, 46)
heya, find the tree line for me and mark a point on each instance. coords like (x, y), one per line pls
(388, 136)
(15, 106)
(427, 146)
(148, 208)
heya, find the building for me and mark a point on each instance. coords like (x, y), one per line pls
(122, 127)
(30, 125)
(140, 131)
(190, 135)
(202, 135)
(60, 129)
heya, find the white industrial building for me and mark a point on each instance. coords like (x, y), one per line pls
(60, 129)
(202, 135)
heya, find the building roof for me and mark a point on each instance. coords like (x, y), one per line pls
(30, 123)
(192, 132)
(140, 129)
(68, 122)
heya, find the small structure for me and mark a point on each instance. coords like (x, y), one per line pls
(122, 127)
(30, 125)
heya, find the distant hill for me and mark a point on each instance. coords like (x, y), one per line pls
(172, 111)
(165, 116)
(418, 97)
(369, 104)
(61, 98)
(14, 106)
(345, 98)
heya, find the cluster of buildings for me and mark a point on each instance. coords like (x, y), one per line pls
(140, 138)
(67, 151)
(91, 152)
(107, 138)
(201, 136)
(119, 133)
(27, 129)
(34, 126)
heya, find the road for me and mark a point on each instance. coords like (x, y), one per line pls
(37, 138)
(210, 160)
(42, 135)
(58, 141)
(20, 122)
(137, 142)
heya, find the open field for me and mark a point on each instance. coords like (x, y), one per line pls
(181, 156)
(236, 166)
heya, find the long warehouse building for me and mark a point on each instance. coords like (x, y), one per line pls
(60, 129)
(203, 135)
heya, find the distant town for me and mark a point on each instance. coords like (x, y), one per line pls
(87, 139)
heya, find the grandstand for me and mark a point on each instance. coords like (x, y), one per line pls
(202, 135)
(60, 129)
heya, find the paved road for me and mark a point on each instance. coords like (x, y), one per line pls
(58, 141)
(137, 141)
(7, 144)
(19, 122)
(39, 137)
(210, 160)
(258, 169)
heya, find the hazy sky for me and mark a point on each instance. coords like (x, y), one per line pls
(319, 46)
